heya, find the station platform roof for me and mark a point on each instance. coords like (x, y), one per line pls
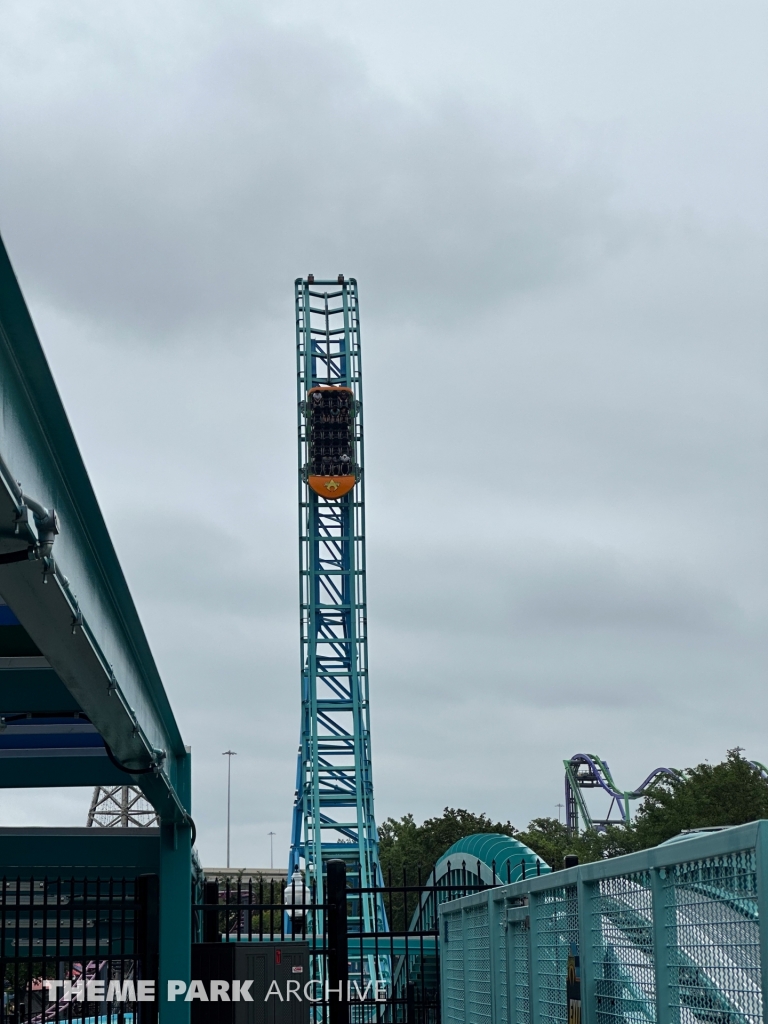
(81, 699)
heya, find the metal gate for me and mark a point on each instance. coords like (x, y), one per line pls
(391, 977)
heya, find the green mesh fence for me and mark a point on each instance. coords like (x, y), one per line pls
(477, 952)
(519, 968)
(621, 915)
(713, 943)
(556, 928)
(501, 946)
(452, 963)
(671, 935)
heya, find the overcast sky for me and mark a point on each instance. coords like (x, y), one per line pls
(557, 216)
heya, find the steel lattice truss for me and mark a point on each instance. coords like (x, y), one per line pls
(120, 807)
(333, 812)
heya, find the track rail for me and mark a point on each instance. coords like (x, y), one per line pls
(588, 771)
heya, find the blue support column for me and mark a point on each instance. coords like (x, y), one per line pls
(333, 814)
(176, 903)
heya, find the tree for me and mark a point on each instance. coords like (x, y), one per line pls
(730, 793)
(549, 839)
(408, 851)
(415, 849)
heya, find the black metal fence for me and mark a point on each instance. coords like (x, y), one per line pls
(77, 949)
(86, 950)
(381, 966)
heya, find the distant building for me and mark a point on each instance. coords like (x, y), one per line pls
(243, 876)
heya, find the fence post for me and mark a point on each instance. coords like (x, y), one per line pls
(211, 917)
(586, 894)
(761, 865)
(175, 960)
(497, 936)
(661, 950)
(464, 948)
(148, 940)
(534, 989)
(410, 1000)
(338, 954)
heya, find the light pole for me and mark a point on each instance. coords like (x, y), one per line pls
(229, 754)
(271, 840)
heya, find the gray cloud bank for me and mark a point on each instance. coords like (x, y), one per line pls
(214, 171)
(565, 398)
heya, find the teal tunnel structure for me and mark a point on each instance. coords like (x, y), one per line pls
(490, 858)
(484, 859)
(81, 699)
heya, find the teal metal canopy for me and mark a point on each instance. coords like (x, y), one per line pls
(499, 857)
(81, 700)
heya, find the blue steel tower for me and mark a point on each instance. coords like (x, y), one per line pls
(333, 811)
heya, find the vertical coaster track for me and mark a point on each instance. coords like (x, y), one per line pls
(333, 810)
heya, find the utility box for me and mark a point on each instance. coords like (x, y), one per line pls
(261, 963)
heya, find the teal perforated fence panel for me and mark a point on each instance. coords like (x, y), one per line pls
(503, 986)
(477, 948)
(519, 968)
(621, 940)
(557, 924)
(452, 969)
(673, 935)
(713, 938)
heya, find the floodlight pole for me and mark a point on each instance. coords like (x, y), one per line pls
(229, 754)
(271, 841)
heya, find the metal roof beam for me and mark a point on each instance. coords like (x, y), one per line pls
(76, 605)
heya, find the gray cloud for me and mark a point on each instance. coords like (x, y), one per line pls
(564, 360)
(231, 166)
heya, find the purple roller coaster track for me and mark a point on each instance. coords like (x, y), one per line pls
(588, 771)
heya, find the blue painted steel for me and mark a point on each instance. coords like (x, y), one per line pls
(671, 934)
(7, 618)
(49, 733)
(333, 814)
